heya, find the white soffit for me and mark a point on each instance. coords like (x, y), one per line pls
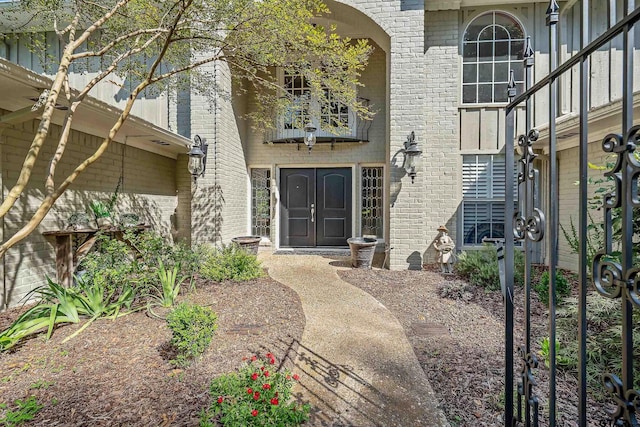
(19, 86)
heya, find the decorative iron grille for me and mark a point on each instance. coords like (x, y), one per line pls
(372, 209)
(613, 274)
(261, 202)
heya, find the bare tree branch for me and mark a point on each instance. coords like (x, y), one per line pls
(42, 132)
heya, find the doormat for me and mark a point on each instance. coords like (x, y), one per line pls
(320, 252)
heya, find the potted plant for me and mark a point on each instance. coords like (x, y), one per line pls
(362, 251)
(102, 213)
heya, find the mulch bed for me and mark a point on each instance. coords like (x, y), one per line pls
(460, 345)
(118, 373)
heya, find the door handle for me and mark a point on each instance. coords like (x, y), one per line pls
(313, 212)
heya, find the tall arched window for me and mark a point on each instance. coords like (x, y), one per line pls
(493, 44)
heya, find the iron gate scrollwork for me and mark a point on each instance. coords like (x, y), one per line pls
(613, 274)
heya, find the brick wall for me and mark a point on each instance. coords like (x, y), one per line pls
(149, 190)
(441, 159)
(219, 208)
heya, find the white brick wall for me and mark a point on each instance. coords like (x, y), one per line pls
(149, 190)
(219, 208)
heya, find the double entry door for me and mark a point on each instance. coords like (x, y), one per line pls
(315, 207)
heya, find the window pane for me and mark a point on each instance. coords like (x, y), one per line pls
(485, 51)
(501, 33)
(501, 72)
(500, 92)
(469, 73)
(477, 25)
(485, 72)
(372, 205)
(469, 94)
(517, 50)
(469, 52)
(261, 202)
(502, 51)
(485, 93)
(487, 33)
(518, 71)
(515, 31)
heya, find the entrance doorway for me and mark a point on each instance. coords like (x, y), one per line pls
(315, 207)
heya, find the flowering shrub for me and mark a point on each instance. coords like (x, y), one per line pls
(255, 395)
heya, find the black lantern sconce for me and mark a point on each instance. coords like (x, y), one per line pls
(411, 155)
(198, 157)
(309, 135)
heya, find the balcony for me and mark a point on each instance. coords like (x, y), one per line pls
(356, 130)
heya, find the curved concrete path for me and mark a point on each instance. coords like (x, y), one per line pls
(357, 366)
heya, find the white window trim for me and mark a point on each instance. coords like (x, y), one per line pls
(466, 25)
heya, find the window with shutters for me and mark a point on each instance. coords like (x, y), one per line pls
(483, 196)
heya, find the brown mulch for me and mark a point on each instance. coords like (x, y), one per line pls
(118, 373)
(460, 345)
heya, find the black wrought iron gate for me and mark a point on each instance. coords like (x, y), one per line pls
(613, 275)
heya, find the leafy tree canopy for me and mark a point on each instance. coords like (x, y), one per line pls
(161, 44)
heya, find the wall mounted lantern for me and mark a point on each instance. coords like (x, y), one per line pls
(411, 155)
(198, 157)
(309, 135)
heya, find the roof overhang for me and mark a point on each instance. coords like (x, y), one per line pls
(603, 120)
(435, 5)
(20, 86)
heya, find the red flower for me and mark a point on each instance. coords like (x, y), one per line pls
(288, 377)
(269, 356)
(267, 386)
(254, 413)
(254, 376)
(220, 399)
(256, 395)
(272, 361)
(296, 377)
(266, 373)
(262, 368)
(254, 358)
(274, 401)
(249, 391)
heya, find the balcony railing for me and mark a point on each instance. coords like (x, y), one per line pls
(356, 131)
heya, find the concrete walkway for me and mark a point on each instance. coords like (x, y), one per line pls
(357, 366)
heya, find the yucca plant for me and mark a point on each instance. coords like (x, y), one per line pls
(58, 305)
(169, 289)
(65, 305)
(170, 284)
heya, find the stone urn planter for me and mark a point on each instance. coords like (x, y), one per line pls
(362, 251)
(248, 243)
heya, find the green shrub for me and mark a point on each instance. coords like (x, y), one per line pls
(255, 395)
(230, 263)
(480, 267)
(542, 287)
(193, 327)
(604, 345)
(25, 411)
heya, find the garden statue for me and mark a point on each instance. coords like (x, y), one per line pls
(444, 246)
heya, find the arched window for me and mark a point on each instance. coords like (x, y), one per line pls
(493, 44)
